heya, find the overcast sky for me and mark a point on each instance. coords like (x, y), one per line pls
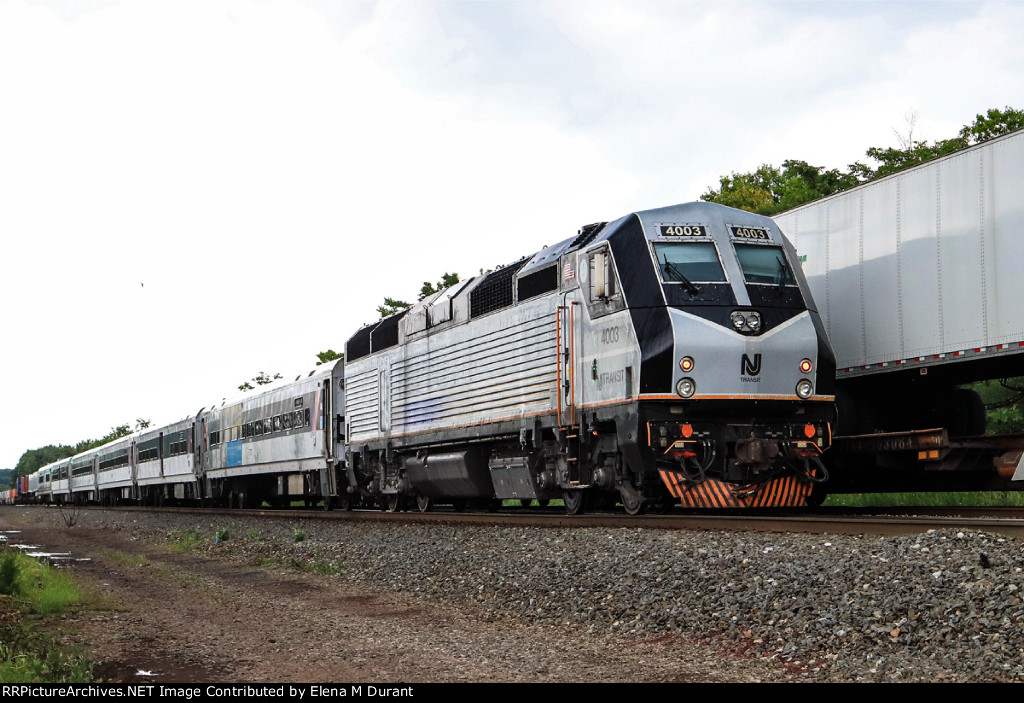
(195, 191)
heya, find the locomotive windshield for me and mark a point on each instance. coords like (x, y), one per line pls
(688, 262)
(764, 264)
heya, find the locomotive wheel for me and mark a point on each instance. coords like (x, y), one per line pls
(633, 505)
(525, 502)
(394, 502)
(542, 502)
(660, 507)
(423, 503)
(573, 502)
(345, 500)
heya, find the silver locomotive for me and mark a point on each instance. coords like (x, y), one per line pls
(671, 356)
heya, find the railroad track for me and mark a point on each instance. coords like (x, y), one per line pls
(1006, 521)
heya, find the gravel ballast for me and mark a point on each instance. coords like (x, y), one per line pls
(940, 606)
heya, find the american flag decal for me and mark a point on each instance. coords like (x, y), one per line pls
(567, 273)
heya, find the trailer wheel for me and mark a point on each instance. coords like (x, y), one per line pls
(977, 416)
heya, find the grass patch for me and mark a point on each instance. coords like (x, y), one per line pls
(516, 503)
(185, 540)
(26, 655)
(255, 535)
(299, 536)
(317, 566)
(36, 585)
(128, 560)
(222, 535)
(30, 657)
(1013, 499)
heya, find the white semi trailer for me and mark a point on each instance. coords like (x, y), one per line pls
(917, 277)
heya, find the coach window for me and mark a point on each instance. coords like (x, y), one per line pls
(277, 423)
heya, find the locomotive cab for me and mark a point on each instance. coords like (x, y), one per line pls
(735, 395)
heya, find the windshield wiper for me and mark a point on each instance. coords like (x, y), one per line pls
(784, 273)
(671, 270)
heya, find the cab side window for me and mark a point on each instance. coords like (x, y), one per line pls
(602, 282)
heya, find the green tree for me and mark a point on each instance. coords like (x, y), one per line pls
(771, 189)
(992, 124)
(391, 306)
(260, 379)
(329, 355)
(447, 281)
(34, 459)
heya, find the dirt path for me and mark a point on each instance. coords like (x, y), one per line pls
(185, 617)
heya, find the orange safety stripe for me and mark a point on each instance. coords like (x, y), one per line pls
(788, 491)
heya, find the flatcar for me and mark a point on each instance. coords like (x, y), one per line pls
(673, 356)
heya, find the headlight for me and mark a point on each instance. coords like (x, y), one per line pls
(686, 387)
(804, 388)
(746, 321)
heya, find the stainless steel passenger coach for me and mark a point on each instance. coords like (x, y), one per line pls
(674, 355)
(277, 445)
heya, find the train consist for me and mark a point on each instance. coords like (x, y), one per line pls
(673, 356)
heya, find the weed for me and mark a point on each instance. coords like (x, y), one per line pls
(25, 655)
(185, 540)
(56, 595)
(222, 535)
(46, 590)
(255, 535)
(299, 536)
(9, 575)
(317, 566)
(124, 559)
